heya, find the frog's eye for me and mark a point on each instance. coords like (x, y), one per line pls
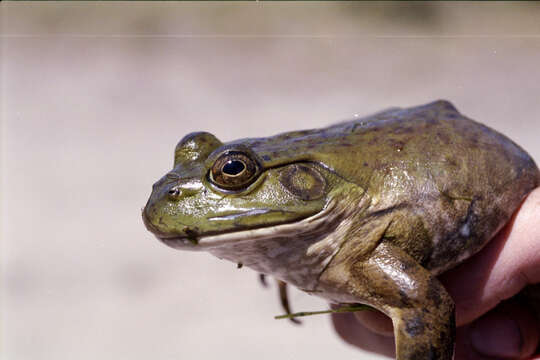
(234, 170)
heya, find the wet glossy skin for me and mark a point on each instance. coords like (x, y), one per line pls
(368, 211)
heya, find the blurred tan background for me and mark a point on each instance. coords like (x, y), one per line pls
(95, 96)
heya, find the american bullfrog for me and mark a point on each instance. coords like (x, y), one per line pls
(368, 211)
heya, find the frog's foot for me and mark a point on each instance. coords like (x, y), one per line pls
(285, 300)
(283, 297)
(422, 312)
(262, 280)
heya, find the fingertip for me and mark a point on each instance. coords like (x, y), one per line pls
(343, 327)
(353, 332)
(509, 331)
(376, 321)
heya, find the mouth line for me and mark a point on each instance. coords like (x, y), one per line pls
(193, 236)
(206, 238)
(215, 239)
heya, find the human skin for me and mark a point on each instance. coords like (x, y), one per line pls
(489, 323)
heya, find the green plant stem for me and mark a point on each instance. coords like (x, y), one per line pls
(329, 311)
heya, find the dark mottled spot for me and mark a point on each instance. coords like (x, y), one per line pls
(451, 115)
(451, 161)
(443, 347)
(433, 292)
(403, 297)
(403, 130)
(414, 326)
(467, 234)
(191, 234)
(444, 137)
(374, 140)
(420, 352)
(399, 145)
(266, 158)
(365, 164)
(407, 265)
(432, 122)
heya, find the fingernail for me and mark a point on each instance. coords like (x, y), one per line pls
(496, 335)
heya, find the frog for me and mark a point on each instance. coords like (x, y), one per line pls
(369, 211)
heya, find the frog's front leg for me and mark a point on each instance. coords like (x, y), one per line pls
(388, 279)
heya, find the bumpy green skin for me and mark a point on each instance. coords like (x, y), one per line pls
(367, 211)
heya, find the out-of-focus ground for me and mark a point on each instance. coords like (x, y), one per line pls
(95, 96)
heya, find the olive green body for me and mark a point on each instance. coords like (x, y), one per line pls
(367, 211)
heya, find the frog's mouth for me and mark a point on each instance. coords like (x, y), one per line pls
(193, 240)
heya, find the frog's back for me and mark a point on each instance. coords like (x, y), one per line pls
(434, 135)
(462, 178)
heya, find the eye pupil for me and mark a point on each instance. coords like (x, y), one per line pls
(234, 167)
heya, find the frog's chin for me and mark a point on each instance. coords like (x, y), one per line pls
(209, 241)
(181, 242)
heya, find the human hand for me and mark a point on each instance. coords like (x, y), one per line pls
(489, 324)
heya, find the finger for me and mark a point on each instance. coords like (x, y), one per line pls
(509, 331)
(376, 321)
(509, 262)
(353, 332)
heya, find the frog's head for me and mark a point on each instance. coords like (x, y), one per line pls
(227, 189)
